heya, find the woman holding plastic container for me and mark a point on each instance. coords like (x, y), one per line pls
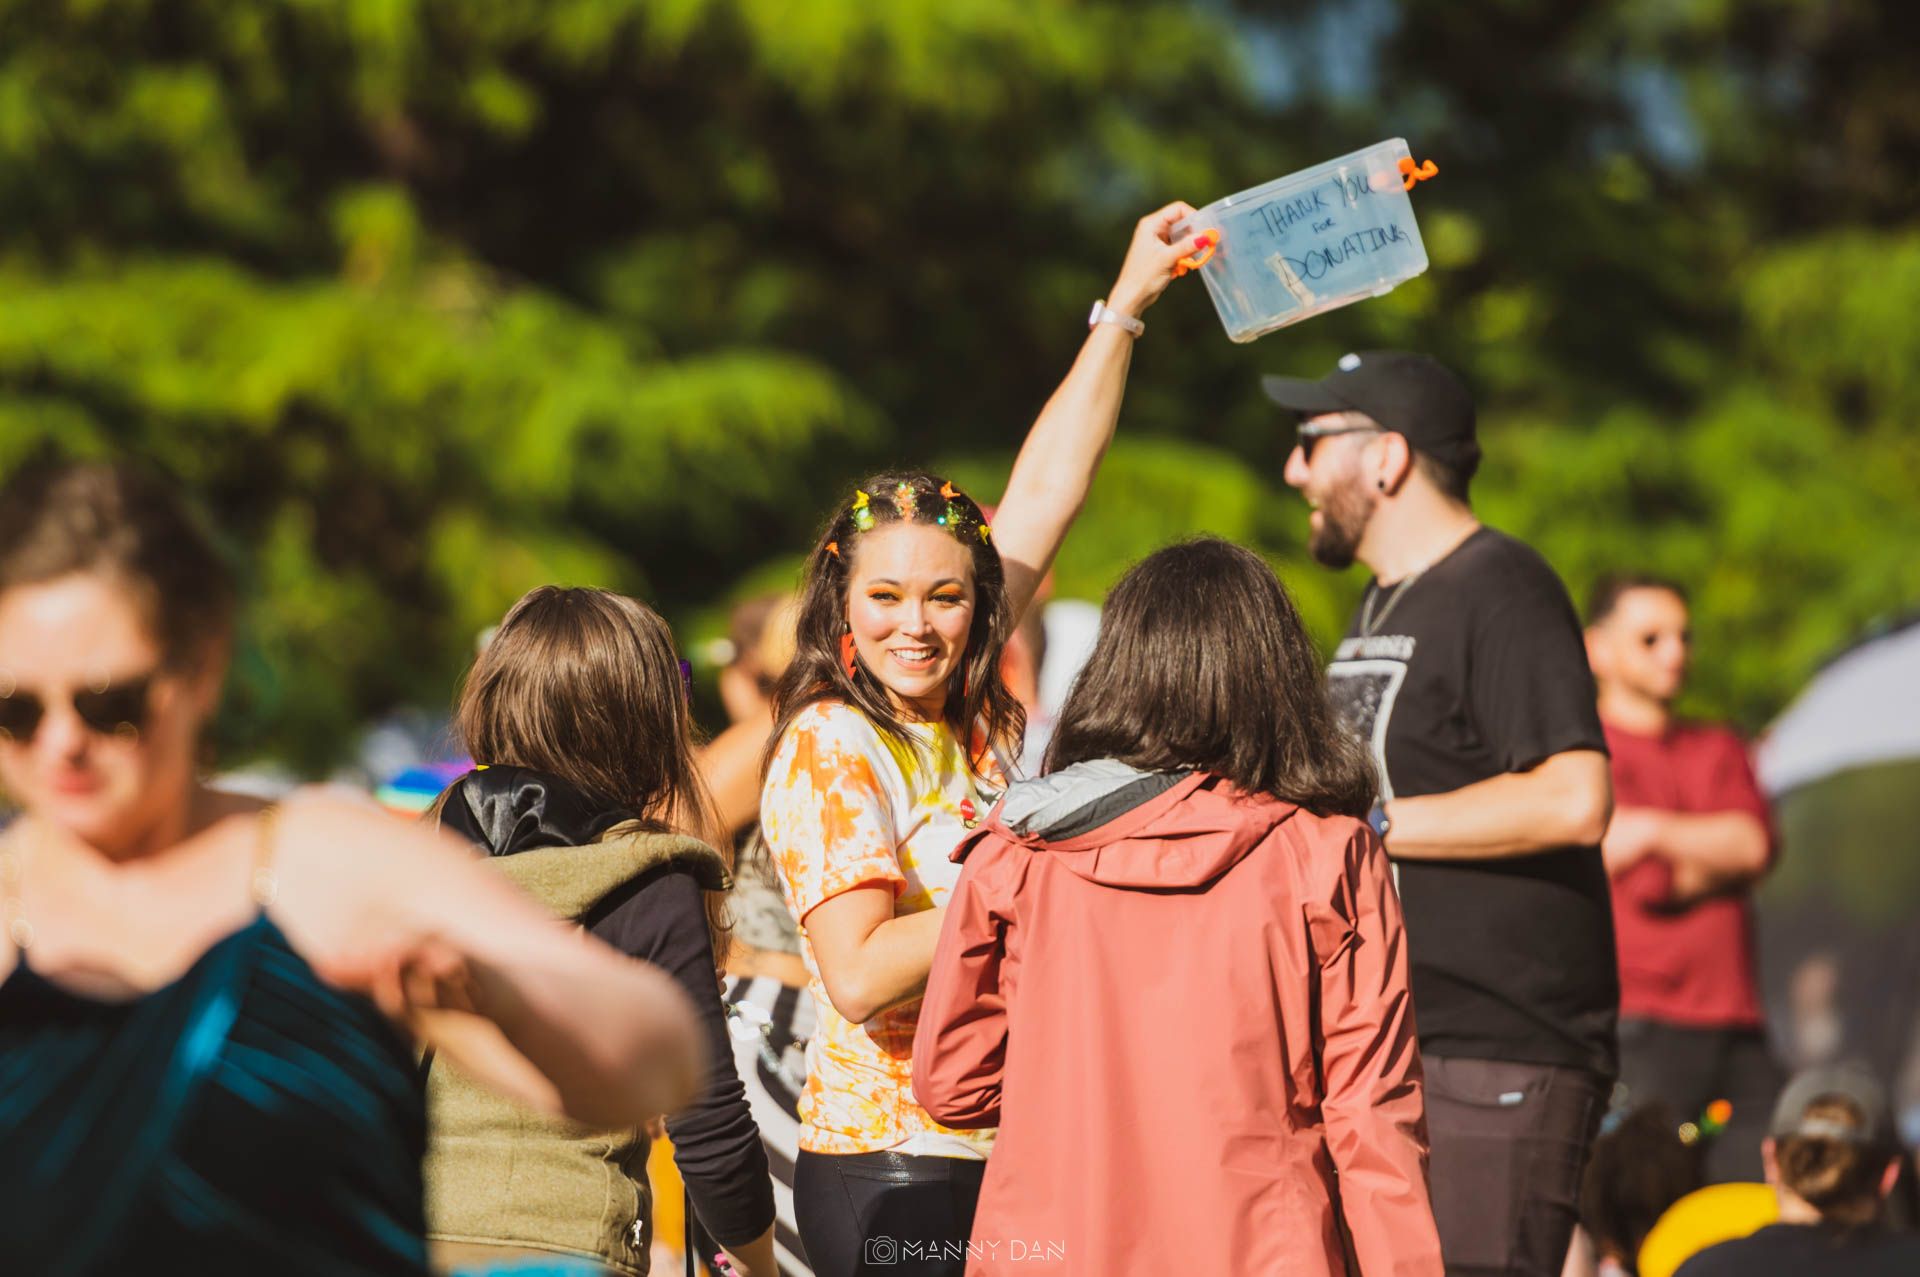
(888, 727)
(209, 1006)
(1173, 972)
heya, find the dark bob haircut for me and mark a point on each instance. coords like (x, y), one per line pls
(1203, 664)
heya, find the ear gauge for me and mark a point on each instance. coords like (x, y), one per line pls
(127, 732)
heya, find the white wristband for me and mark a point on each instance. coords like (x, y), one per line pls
(1105, 314)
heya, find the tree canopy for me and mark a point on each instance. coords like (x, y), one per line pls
(429, 302)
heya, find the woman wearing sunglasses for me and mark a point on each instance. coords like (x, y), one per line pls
(209, 1007)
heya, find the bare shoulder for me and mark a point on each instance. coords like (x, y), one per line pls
(344, 830)
(342, 864)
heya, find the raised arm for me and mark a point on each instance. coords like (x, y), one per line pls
(1063, 449)
(537, 1010)
(1374, 1108)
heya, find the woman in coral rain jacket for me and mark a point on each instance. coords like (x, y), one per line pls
(1173, 971)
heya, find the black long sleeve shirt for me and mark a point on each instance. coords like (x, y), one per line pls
(661, 919)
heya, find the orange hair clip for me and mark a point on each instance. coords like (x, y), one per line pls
(833, 548)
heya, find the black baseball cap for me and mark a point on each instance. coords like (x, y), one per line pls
(1409, 394)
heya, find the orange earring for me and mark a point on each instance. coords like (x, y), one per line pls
(848, 661)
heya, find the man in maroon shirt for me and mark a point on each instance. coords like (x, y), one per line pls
(1689, 839)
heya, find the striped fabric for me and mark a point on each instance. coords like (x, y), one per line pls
(770, 1025)
(246, 1118)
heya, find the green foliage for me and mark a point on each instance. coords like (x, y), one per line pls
(431, 301)
(399, 463)
(1154, 491)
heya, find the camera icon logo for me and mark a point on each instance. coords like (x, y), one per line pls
(882, 1250)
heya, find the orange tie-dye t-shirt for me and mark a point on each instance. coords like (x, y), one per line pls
(847, 806)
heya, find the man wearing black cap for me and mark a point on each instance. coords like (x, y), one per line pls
(1464, 670)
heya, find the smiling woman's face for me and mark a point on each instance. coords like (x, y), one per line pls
(100, 733)
(910, 600)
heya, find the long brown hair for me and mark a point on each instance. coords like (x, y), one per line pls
(585, 684)
(1203, 663)
(976, 693)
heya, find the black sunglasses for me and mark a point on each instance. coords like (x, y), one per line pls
(1311, 435)
(111, 709)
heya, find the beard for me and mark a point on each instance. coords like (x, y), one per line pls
(1343, 520)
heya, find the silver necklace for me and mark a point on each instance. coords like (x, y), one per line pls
(1369, 623)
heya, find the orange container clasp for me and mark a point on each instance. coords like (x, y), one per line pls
(1411, 172)
(1209, 243)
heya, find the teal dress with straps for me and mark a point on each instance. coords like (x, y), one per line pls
(245, 1118)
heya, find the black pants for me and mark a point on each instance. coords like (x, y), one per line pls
(1509, 1146)
(1687, 1069)
(885, 1215)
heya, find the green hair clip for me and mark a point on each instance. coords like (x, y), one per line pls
(905, 500)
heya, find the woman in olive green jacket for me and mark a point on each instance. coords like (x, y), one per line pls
(577, 713)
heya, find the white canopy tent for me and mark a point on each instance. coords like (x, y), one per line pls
(1862, 709)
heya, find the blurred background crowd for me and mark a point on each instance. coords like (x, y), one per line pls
(430, 302)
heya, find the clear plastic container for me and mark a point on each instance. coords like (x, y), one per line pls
(1311, 242)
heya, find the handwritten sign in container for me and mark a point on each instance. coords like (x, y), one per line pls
(1311, 242)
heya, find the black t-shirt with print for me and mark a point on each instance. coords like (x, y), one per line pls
(1476, 668)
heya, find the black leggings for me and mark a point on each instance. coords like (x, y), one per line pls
(884, 1214)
